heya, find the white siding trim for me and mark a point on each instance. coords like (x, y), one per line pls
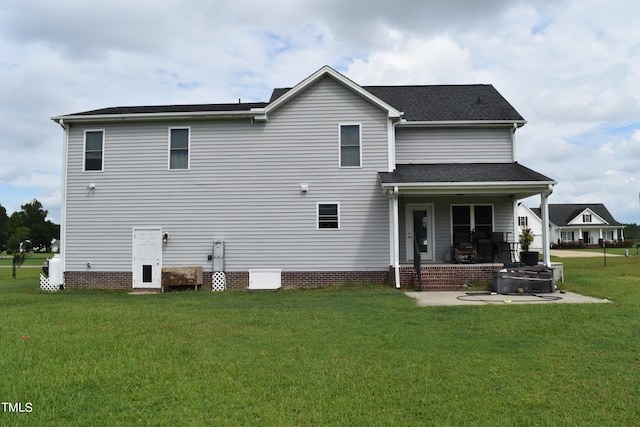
(63, 208)
(391, 148)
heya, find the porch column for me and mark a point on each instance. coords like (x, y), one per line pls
(544, 199)
(394, 235)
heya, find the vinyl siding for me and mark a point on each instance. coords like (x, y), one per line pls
(502, 219)
(243, 187)
(450, 145)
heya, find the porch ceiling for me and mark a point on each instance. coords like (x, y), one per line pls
(466, 179)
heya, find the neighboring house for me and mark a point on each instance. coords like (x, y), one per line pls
(580, 223)
(327, 182)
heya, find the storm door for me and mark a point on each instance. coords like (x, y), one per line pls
(419, 230)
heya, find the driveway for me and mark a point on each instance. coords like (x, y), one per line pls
(566, 253)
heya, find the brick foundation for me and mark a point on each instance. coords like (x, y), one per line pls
(434, 277)
(234, 279)
(98, 279)
(441, 277)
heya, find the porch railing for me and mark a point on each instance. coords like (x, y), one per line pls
(417, 263)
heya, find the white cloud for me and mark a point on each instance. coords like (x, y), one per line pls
(411, 60)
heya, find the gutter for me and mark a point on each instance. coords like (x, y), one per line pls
(254, 113)
(488, 184)
(463, 123)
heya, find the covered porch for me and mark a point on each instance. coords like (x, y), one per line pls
(441, 211)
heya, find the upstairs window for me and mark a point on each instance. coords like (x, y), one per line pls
(328, 215)
(586, 218)
(350, 145)
(179, 148)
(93, 147)
(523, 221)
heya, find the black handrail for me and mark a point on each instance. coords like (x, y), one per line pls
(417, 263)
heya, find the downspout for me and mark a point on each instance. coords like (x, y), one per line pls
(544, 199)
(513, 142)
(391, 145)
(63, 197)
(396, 236)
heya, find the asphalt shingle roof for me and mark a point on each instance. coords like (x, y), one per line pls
(561, 214)
(419, 103)
(461, 172)
(441, 102)
(186, 108)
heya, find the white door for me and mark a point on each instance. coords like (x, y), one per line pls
(419, 230)
(147, 257)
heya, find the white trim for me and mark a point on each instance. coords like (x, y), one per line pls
(188, 128)
(395, 236)
(578, 219)
(340, 125)
(493, 184)
(63, 197)
(349, 84)
(391, 145)
(132, 117)
(133, 256)
(84, 150)
(461, 123)
(318, 215)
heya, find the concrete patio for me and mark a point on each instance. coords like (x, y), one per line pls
(442, 298)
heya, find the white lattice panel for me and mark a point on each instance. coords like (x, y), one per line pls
(46, 284)
(219, 282)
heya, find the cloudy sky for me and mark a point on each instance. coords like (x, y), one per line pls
(571, 68)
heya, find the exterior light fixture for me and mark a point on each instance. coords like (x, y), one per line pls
(165, 237)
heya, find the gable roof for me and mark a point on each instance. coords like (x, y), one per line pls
(442, 103)
(561, 214)
(286, 94)
(455, 104)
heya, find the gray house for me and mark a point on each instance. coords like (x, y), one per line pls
(327, 182)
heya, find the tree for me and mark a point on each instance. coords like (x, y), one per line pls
(4, 219)
(20, 244)
(632, 231)
(32, 216)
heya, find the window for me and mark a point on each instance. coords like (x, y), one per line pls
(93, 146)
(607, 235)
(179, 148)
(350, 145)
(466, 219)
(586, 218)
(328, 215)
(523, 221)
(566, 236)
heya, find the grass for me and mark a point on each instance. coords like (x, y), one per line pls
(354, 355)
(33, 260)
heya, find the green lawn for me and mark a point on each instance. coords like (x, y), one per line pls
(338, 356)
